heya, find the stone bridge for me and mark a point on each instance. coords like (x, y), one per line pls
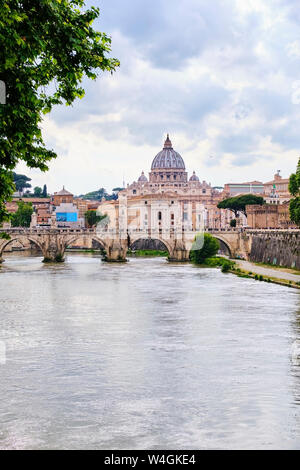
(54, 242)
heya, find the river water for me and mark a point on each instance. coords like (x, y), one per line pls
(145, 354)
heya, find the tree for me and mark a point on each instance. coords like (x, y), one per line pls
(96, 195)
(102, 193)
(294, 189)
(21, 182)
(238, 204)
(92, 218)
(47, 48)
(37, 191)
(22, 217)
(210, 248)
(45, 192)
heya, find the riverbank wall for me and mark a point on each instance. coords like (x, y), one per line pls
(280, 248)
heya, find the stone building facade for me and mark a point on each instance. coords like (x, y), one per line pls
(269, 216)
(273, 214)
(277, 190)
(236, 189)
(65, 210)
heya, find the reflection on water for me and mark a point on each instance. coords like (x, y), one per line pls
(145, 355)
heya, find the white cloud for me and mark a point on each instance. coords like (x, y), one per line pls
(218, 76)
(293, 49)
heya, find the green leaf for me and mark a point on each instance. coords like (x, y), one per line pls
(54, 43)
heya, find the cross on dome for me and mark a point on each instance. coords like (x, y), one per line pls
(168, 143)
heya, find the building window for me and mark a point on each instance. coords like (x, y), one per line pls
(134, 191)
(159, 215)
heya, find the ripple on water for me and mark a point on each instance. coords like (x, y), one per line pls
(145, 354)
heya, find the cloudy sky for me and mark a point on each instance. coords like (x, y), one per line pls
(221, 76)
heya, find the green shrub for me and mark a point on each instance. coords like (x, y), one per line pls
(214, 262)
(218, 261)
(226, 266)
(210, 248)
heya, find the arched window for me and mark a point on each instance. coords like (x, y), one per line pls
(159, 215)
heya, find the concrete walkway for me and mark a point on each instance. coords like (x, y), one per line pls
(270, 272)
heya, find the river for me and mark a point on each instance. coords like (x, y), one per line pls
(145, 355)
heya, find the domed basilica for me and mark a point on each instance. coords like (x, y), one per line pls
(168, 176)
(169, 196)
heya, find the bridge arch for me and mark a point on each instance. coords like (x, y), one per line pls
(19, 238)
(71, 240)
(145, 242)
(225, 242)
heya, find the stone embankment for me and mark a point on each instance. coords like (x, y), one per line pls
(277, 247)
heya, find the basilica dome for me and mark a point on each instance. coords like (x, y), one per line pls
(142, 178)
(167, 158)
(194, 177)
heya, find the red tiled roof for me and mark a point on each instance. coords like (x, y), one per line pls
(31, 199)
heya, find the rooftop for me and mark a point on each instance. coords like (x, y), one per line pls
(63, 192)
(31, 199)
(249, 182)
